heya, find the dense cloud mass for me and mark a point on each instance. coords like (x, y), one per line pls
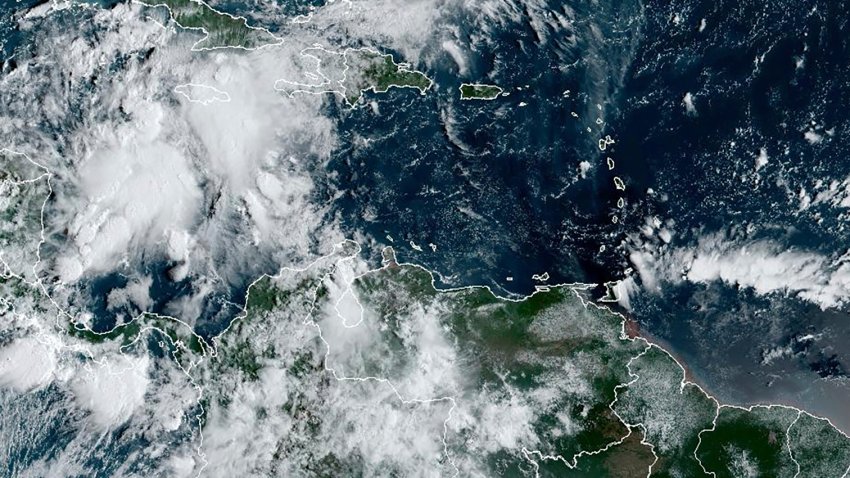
(763, 265)
(144, 176)
(181, 293)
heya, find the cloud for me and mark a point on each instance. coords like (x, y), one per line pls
(113, 389)
(457, 55)
(26, 364)
(222, 190)
(131, 194)
(136, 293)
(764, 266)
(202, 94)
(407, 27)
(102, 399)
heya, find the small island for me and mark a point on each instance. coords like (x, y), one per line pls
(476, 91)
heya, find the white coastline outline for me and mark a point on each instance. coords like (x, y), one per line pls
(574, 287)
(477, 98)
(7, 271)
(181, 90)
(342, 90)
(206, 32)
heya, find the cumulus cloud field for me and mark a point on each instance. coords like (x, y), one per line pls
(156, 165)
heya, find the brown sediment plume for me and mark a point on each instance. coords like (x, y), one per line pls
(631, 327)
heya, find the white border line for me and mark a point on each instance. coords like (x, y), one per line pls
(182, 90)
(206, 32)
(341, 90)
(501, 92)
(388, 262)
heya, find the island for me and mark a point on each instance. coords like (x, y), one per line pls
(221, 30)
(370, 70)
(477, 91)
(352, 72)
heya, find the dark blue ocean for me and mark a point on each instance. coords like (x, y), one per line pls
(497, 187)
(493, 184)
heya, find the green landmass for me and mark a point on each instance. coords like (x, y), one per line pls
(626, 460)
(469, 91)
(506, 348)
(818, 448)
(24, 187)
(177, 338)
(353, 72)
(318, 359)
(370, 70)
(749, 443)
(384, 74)
(672, 414)
(222, 30)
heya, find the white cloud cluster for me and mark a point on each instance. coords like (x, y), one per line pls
(135, 188)
(26, 364)
(376, 390)
(357, 348)
(190, 156)
(221, 188)
(112, 389)
(407, 27)
(50, 381)
(763, 265)
(215, 177)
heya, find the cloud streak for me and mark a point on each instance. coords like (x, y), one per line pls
(764, 266)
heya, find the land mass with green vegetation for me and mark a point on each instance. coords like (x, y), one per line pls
(470, 91)
(370, 70)
(353, 72)
(221, 29)
(550, 385)
(24, 188)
